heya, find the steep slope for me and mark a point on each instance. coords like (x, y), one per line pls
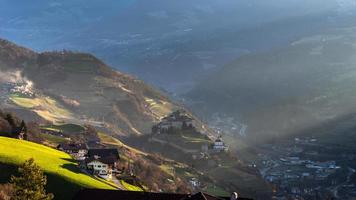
(59, 166)
(286, 90)
(76, 88)
(79, 88)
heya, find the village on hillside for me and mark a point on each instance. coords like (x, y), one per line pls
(104, 162)
(177, 130)
(101, 161)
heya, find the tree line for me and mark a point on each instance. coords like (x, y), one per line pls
(14, 127)
(11, 126)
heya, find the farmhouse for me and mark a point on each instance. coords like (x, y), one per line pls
(77, 150)
(102, 166)
(102, 162)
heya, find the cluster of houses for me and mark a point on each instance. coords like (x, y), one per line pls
(100, 162)
(298, 173)
(308, 169)
(22, 88)
(178, 120)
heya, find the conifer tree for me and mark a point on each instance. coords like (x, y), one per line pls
(23, 128)
(30, 184)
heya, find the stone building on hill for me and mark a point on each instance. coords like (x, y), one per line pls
(178, 120)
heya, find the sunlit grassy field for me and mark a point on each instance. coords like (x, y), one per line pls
(45, 107)
(130, 187)
(159, 108)
(55, 163)
(54, 139)
(67, 128)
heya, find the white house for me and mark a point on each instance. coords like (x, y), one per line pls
(100, 168)
(194, 182)
(219, 145)
(102, 162)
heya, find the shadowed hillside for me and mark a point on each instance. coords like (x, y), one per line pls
(79, 88)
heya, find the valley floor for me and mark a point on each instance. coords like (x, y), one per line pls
(319, 166)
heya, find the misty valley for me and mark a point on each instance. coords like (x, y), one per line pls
(179, 99)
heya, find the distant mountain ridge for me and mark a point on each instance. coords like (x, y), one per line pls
(285, 90)
(78, 87)
(169, 44)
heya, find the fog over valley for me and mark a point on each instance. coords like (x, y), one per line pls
(168, 38)
(178, 99)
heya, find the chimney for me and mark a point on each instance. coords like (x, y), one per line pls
(234, 196)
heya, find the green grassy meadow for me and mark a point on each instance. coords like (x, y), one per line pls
(66, 128)
(45, 107)
(52, 139)
(130, 187)
(64, 177)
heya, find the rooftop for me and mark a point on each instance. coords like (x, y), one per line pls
(106, 160)
(103, 153)
(72, 146)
